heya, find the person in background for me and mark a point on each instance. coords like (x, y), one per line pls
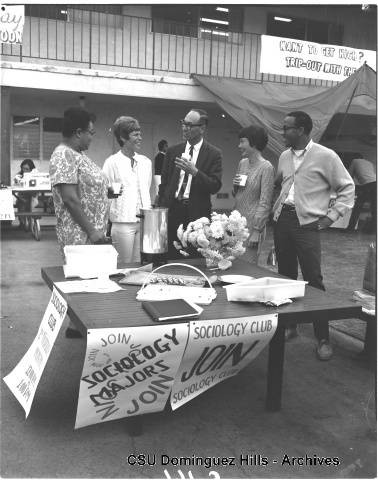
(134, 172)
(79, 187)
(253, 187)
(307, 173)
(192, 172)
(364, 173)
(25, 201)
(158, 163)
(26, 166)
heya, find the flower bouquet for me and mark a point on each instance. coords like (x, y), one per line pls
(220, 240)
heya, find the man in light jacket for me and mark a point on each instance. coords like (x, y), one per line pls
(308, 173)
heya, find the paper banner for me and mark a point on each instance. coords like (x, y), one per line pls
(128, 371)
(24, 378)
(12, 19)
(298, 58)
(6, 204)
(219, 349)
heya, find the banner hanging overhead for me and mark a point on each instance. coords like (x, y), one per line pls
(298, 58)
(12, 19)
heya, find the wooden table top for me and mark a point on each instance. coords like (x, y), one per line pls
(121, 309)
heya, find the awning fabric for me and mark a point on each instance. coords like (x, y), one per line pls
(267, 104)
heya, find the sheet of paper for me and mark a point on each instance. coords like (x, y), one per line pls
(23, 380)
(128, 371)
(6, 204)
(94, 285)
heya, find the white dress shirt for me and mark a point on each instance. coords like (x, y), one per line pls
(118, 168)
(298, 157)
(196, 149)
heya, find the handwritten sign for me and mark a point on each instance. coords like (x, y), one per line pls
(298, 58)
(6, 204)
(24, 378)
(219, 349)
(12, 19)
(128, 371)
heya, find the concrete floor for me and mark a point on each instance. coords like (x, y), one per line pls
(328, 408)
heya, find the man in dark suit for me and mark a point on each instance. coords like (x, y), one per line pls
(192, 172)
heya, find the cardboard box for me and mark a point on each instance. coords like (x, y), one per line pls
(90, 261)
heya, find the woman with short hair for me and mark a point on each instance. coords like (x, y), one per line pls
(253, 187)
(134, 172)
(79, 187)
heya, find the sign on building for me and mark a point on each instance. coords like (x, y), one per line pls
(298, 58)
(12, 19)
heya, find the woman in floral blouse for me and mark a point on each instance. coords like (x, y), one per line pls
(79, 187)
(253, 198)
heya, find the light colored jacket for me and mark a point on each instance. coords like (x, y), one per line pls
(117, 168)
(321, 174)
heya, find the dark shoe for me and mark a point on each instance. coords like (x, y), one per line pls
(324, 350)
(290, 333)
(72, 333)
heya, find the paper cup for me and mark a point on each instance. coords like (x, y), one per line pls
(116, 187)
(243, 180)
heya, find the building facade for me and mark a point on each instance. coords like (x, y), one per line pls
(138, 59)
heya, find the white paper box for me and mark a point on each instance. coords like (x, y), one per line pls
(90, 261)
(265, 289)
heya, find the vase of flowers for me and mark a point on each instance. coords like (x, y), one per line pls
(220, 240)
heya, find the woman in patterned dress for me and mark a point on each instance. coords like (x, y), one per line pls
(253, 199)
(79, 187)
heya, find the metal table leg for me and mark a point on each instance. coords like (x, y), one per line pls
(275, 370)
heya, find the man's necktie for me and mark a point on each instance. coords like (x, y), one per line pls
(180, 195)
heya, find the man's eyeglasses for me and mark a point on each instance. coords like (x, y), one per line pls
(285, 129)
(190, 124)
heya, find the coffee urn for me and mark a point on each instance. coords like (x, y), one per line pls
(153, 235)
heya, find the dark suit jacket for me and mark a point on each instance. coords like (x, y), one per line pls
(205, 183)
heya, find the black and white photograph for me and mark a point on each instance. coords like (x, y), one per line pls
(188, 219)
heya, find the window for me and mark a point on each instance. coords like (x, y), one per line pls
(56, 12)
(304, 29)
(61, 11)
(35, 137)
(189, 20)
(220, 20)
(175, 20)
(26, 137)
(113, 9)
